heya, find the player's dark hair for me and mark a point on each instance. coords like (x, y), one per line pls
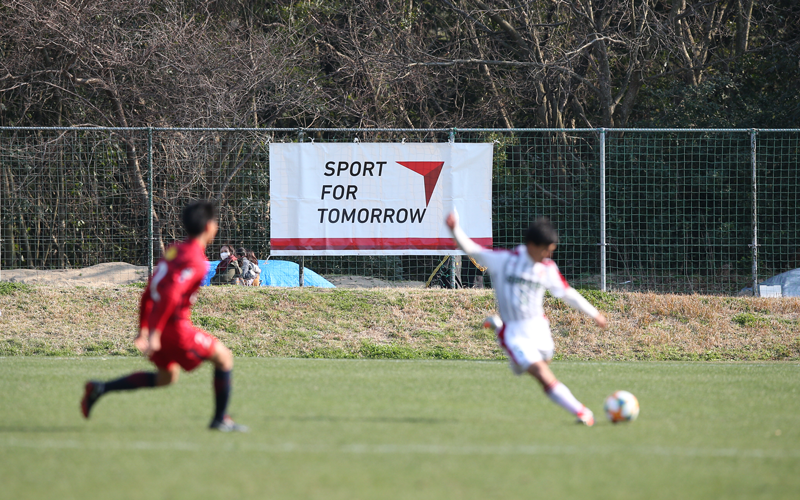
(541, 232)
(240, 252)
(196, 215)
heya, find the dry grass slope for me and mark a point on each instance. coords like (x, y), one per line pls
(401, 323)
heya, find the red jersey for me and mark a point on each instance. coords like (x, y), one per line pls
(171, 290)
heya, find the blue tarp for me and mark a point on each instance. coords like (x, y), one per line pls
(789, 282)
(277, 273)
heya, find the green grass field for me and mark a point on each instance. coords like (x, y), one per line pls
(402, 429)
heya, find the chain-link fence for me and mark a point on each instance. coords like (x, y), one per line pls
(686, 211)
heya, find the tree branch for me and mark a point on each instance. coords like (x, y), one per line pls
(516, 64)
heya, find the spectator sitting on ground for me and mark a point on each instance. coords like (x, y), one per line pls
(247, 267)
(255, 269)
(228, 270)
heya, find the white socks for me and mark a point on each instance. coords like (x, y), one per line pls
(562, 396)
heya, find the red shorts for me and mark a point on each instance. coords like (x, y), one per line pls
(183, 344)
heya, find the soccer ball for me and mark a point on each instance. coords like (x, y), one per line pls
(622, 406)
(493, 322)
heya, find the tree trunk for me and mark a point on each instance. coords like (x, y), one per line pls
(604, 84)
(744, 13)
(485, 69)
(626, 106)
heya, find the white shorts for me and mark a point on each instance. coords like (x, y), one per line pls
(526, 342)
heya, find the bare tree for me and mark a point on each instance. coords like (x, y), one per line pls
(134, 63)
(411, 63)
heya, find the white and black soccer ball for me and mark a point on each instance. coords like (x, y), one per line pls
(622, 406)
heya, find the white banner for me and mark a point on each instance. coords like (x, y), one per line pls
(377, 198)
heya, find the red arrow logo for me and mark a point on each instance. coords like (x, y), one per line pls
(429, 170)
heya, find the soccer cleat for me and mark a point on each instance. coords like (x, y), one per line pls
(493, 322)
(227, 425)
(92, 393)
(586, 417)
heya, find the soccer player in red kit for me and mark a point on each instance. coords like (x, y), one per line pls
(166, 334)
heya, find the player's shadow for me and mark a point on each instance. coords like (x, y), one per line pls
(374, 420)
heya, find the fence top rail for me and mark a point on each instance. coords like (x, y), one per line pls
(301, 129)
(160, 129)
(407, 130)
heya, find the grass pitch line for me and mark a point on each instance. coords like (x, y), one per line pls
(409, 449)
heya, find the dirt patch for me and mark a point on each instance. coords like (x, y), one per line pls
(121, 273)
(368, 282)
(101, 275)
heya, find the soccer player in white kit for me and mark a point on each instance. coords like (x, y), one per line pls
(520, 278)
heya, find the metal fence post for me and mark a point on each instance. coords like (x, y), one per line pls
(754, 245)
(603, 209)
(2, 226)
(150, 201)
(453, 268)
(301, 275)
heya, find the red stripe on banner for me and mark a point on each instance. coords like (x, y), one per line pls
(369, 243)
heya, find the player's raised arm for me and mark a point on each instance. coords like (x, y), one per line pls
(560, 289)
(576, 300)
(462, 240)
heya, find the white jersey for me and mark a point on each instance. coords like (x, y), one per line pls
(519, 283)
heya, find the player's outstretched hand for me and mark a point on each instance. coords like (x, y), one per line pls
(452, 220)
(141, 341)
(601, 320)
(155, 342)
